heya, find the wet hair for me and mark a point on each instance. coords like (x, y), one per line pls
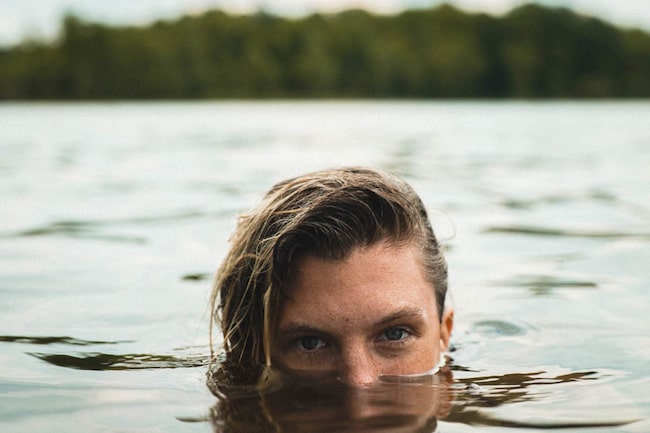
(326, 214)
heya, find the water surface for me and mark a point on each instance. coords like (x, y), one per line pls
(114, 218)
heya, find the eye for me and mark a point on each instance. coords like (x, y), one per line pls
(310, 343)
(395, 334)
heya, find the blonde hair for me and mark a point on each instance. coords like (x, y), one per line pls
(327, 214)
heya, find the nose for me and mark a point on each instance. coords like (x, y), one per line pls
(357, 366)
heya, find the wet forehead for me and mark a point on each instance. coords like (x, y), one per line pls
(370, 285)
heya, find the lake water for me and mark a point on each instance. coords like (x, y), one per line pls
(115, 216)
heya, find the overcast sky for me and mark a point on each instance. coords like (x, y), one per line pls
(41, 18)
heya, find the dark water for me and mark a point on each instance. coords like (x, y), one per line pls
(115, 216)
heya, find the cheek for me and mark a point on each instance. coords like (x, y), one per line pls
(427, 357)
(423, 357)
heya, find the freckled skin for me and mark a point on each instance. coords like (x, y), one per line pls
(369, 315)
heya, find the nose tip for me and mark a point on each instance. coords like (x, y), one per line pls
(357, 368)
(356, 379)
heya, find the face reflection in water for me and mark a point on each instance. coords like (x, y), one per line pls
(369, 315)
(323, 405)
(394, 407)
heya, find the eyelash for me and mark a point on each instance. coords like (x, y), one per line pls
(406, 334)
(382, 338)
(298, 343)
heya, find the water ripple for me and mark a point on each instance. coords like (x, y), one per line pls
(474, 394)
(78, 229)
(526, 203)
(89, 229)
(546, 284)
(498, 328)
(106, 361)
(54, 340)
(557, 232)
(201, 276)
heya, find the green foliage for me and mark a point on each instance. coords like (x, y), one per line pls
(533, 52)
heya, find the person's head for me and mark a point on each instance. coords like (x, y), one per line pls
(336, 270)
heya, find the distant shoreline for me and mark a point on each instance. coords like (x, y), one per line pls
(442, 53)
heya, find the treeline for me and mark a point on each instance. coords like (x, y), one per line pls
(532, 52)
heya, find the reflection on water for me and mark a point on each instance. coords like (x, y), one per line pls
(516, 387)
(498, 390)
(331, 407)
(53, 340)
(105, 361)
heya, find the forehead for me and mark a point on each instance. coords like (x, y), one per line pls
(369, 284)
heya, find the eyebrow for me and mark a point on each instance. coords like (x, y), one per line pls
(298, 328)
(411, 312)
(294, 329)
